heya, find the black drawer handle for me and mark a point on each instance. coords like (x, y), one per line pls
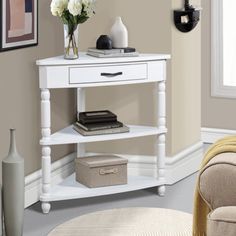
(111, 74)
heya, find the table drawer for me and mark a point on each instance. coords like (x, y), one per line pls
(78, 75)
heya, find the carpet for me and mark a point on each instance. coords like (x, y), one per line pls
(128, 222)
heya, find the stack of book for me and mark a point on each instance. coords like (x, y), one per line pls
(98, 122)
(115, 52)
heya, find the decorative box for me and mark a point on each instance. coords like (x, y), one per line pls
(100, 171)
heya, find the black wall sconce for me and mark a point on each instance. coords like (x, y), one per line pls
(187, 19)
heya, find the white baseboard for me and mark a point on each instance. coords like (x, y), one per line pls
(60, 170)
(178, 167)
(211, 135)
(184, 163)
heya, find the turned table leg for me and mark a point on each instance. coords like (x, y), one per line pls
(46, 150)
(160, 145)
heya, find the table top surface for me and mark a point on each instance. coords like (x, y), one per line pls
(86, 59)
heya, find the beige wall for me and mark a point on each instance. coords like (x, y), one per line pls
(150, 30)
(186, 85)
(153, 32)
(148, 33)
(216, 112)
(19, 93)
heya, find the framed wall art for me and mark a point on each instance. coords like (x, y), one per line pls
(18, 24)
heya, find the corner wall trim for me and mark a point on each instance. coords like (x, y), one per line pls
(211, 135)
(178, 167)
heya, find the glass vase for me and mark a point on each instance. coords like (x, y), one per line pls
(71, 41)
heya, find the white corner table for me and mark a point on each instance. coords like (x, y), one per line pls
(79, 74)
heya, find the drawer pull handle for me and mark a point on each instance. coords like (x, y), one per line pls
(107, 172)
(111, 74)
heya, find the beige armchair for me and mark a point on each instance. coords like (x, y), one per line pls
(217, 185)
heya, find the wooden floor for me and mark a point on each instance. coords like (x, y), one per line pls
(178, 196)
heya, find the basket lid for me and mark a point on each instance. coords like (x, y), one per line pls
(101, 160)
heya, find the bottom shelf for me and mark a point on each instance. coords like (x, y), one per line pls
(70, 189)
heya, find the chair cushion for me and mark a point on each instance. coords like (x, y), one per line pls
(222, 221)
(217, 181)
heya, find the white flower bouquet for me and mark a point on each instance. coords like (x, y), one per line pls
(72, 13)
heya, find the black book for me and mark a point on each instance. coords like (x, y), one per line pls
(96, 117)
(100, 126)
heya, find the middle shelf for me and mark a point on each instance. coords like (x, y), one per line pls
(69, 136)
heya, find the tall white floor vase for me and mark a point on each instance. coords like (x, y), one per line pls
(119, 34)
(13, 190)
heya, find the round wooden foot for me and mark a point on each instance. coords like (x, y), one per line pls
(161, 190)
(46, 206)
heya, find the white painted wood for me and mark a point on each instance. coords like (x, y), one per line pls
(161, 162)
(175, 172)
(80, 108)
(161, 121)
(211, 135)
(70, 136)
(156, 70)
(161, 105)
(46, 175)
(45, 113)
(46, 168)
(53, 77)
(93, 74)
(46, 206)
(75, 190)
(85, 72)
(85, 60)
(178, 167)
(46, 150)
(71, 76)
(61, 84)
(161, 190)
(59, 171)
